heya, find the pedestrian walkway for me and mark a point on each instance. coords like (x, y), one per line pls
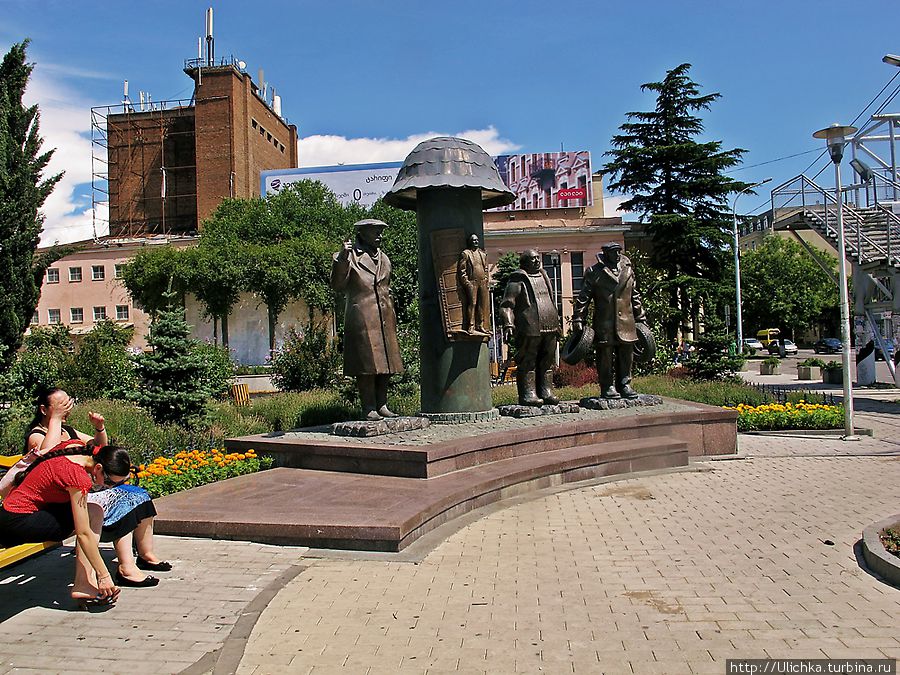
(670, 572)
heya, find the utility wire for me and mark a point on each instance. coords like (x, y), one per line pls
(772, 161)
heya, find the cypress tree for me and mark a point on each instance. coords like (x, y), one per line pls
(678, 187)
(23, 192)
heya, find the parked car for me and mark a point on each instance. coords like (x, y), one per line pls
(827, 345)
(753, 345)
(879, 355)
(790, 349)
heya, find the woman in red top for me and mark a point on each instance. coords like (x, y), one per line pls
(50, 503)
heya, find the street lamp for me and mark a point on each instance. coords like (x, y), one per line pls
(835, 138)
(737, 264)
(891, 59)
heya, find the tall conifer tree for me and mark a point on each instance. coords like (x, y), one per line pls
(678, 187)
(23, 190)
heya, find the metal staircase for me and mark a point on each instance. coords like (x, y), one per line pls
(871, 242)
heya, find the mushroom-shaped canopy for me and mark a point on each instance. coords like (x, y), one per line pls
(446, 162)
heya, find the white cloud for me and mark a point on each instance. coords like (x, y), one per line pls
(65, 126)
(330, 150)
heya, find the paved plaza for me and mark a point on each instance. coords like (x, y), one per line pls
(669, 572)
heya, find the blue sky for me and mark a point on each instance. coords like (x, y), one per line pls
(364, 81)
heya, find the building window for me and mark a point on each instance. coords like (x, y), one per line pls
(577, 270)
(35, 318)
(121, 312)
(99, 313)
(98, 272)
(254, 123)
(119, 269)
(53, 316)
(74, 274)
(76, 315)
(551, 264)
(52, 275)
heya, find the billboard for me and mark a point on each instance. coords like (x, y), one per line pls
(362, 184)
(549, 180)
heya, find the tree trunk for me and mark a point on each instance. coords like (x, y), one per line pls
(225, 329)
(215, 330)
(273, 318)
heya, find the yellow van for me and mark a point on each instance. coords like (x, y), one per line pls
(768, 335)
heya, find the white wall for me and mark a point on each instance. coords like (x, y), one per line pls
(248, 327)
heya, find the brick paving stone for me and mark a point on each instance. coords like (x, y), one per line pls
(668, 573)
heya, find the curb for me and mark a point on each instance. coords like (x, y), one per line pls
(876, 556)
(810, 433)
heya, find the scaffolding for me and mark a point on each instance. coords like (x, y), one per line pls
(144, 169)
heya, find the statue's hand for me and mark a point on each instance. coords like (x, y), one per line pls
(577, 325)
(344, 253)
(507, 333)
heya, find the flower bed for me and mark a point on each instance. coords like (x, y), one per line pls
(165, 475)
(782, 416)
(891, 540)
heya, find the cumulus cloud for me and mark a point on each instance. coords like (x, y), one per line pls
(65, 126)
(325, 150)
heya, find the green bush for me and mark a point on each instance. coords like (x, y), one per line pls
(721, 393)
(218, 368)
(812, 363)
(833, 366)
(712, 360)
(772, 361)
(306, 360)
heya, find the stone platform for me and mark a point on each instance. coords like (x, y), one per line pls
(382, 493)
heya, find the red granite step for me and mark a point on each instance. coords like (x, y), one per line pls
(706, 430)
(386, 513)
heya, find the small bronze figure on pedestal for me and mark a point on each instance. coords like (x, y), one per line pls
(371, 352)
(617, 309)
(528, 311)
(473, 280)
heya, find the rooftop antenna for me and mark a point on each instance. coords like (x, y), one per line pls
(276, 104)
(273, 96)
(210, 41)
(261, 83)
(199, 60)
(125, 101)
(142, 101)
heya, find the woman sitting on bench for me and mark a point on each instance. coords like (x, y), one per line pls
(49, 502)
(128, 511)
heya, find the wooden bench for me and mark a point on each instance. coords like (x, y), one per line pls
(14, 554)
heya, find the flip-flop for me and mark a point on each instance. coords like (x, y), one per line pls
(99, 602)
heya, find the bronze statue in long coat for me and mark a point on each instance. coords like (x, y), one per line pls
(617, 308)
(362, 271)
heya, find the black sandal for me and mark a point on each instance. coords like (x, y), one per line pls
(148, 582)
(153, 567)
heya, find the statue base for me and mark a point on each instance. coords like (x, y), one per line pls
(462, 417)
(598, 403)
(388, 425)
(561, 408)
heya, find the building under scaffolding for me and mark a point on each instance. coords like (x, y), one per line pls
(163, 167)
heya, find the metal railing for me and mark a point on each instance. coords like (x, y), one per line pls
(801, 195)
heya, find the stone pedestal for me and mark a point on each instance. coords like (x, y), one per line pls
(389, 425)
(561, 408)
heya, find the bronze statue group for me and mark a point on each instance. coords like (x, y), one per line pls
(528, 316)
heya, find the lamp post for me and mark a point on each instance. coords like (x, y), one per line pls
(835, 138)
(737, 266)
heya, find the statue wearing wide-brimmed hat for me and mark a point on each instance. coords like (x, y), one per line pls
(371, 352)
(619, 319)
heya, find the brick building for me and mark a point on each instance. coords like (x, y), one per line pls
(165, 167)
(170, 163)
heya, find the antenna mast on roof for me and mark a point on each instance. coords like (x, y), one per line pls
(210, 40)
(126, 103)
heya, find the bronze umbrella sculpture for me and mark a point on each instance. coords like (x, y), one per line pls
(448, 182)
